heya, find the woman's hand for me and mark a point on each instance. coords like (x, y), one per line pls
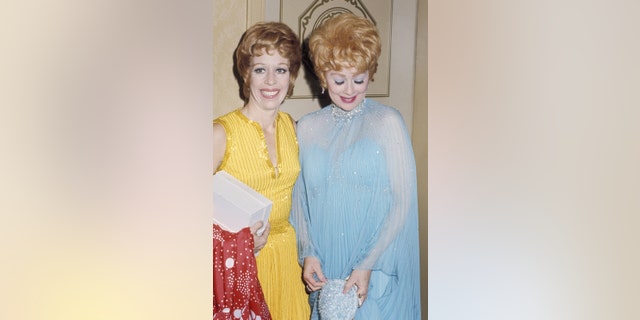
(259, 241)
(359, 278)
(312, 274)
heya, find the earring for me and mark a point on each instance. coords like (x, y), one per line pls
(322, 90)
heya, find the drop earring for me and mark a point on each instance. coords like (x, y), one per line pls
(322, 90)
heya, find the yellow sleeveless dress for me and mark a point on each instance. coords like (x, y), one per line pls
(246, 158)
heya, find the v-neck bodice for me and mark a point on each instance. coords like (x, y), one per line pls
(247, 158)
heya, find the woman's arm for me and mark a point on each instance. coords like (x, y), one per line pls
(219, 145)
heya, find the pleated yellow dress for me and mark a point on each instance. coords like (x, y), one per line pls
(246, 158)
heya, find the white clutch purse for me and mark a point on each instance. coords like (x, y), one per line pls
(334, 305)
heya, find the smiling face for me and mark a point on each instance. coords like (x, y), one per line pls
(269, 80)
(347, 87)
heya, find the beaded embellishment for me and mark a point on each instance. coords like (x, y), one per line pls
(342, 115)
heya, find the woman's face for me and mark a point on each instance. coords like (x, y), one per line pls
(269, 80)
(347, 88)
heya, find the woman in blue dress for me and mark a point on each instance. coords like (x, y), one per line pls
(355, 207)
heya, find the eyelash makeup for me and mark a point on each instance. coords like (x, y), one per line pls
(263, 70)
(341, 82)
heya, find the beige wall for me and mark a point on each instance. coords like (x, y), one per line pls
(229, 22)
(420, 138)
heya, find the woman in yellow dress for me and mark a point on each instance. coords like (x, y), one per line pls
(257, 144)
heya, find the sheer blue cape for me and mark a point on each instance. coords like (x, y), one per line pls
(355, 204)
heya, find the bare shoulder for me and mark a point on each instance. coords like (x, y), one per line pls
(219, 133)
(219, 144)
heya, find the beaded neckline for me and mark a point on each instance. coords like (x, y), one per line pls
(342, 115)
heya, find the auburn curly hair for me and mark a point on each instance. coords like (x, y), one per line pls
(345, 41)
(270, 37)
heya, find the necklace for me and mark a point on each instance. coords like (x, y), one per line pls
(343, 115)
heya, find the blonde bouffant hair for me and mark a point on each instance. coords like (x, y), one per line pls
(270, 37)
(345, 41)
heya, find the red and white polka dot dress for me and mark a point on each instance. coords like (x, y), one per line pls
(237, 293)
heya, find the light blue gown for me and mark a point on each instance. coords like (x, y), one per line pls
(355, 204)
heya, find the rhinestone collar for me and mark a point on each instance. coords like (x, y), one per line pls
(342, 115)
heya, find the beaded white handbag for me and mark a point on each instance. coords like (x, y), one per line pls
(334, 305)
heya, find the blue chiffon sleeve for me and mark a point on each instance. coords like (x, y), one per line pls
(299, 219)
(394, 139)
